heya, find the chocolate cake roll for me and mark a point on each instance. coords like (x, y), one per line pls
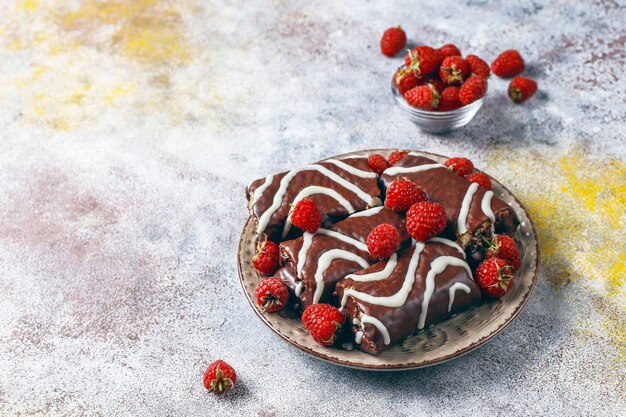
(471, 210)
(338, 187)
(391, 300)
(315, 262)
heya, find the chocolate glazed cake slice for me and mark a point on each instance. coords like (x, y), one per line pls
(315, 262)
(338, 187)
(471, 210)
(422, 285)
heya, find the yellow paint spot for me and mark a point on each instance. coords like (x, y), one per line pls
(120, 90)
(148, 43)
(28, 5)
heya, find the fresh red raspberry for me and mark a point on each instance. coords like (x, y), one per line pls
(323, 322)
(402, 194)
(423, 97)
(306, 215)
(449, 49)
(424, 60)
(396, 156)
(219, 377)
(425, 220)
(454, 70)
(383, 241)
(267, 257)
(393, 41)
(521, 88)
(504, 247)
(474, 88)
(481, 179)
(405, 79)
(478, 66)
(494, 277)
(436, 82)
(461, 166)
(508, 64)
(377, 163)
(449, 99)
(272, 294)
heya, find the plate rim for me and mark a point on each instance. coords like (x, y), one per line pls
(411, 365)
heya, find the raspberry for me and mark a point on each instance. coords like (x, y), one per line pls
(425, 220)
(405, 79)
(266, 259)
(393, 41)
(396, 156)
(449, 49)
(402, 194)
(454, 70)
(508, 64)
(521, 88)
(424, 97)
(474, 88)
(377, 163)
(478, 66)
(461, 166)
(424, 60)
(504, 247)
(383, 241)
(481, 179)
(272, 294)
(494, 277)
(219, 377)
(449, 99)
(436, 82)
(306, 215)
(323, 322)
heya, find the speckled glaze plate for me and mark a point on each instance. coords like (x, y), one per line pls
(436, 344)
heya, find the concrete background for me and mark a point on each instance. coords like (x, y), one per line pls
(129, 129)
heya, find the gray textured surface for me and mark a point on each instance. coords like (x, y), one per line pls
(128, 132)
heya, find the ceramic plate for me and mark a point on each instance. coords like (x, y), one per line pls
(439, 343)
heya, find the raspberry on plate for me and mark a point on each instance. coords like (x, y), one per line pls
(474, 88)
(272, 294)
(323, 322)
(481, 179)
(425, 220)
(478, 66)
(377, 163)
(461, 166)
(521, 89)
(449, 49)
(306, 215)
(423, 97)
(396, 156)
(392, 41)
(494, 277)
(402, 194)
(383, 241)
(423, 59)
(508, 64)
(219, 377)
(449, 99)
(454, 70)
(504, 247)
(267, 259)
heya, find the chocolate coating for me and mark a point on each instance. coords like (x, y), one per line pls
(329, 206)
(402, 322)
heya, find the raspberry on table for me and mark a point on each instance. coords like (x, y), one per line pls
(219, 377)
(508, 64)
(521, 89)
(392, 41)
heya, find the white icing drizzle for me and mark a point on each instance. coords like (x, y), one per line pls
(355, 157)
(365, 319)
(452, 290)
(358, 336)
(315, 189)
(437, 266)
(298, 290)
(324, 262)
(264, 219)
(399, 298)
(307, 240)
(352, 170)
(368, 212)
(465, 206)
(358, 244)
(405, 170)
(259, 191)
(448, 242)
(485, 206)
(380, 275)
